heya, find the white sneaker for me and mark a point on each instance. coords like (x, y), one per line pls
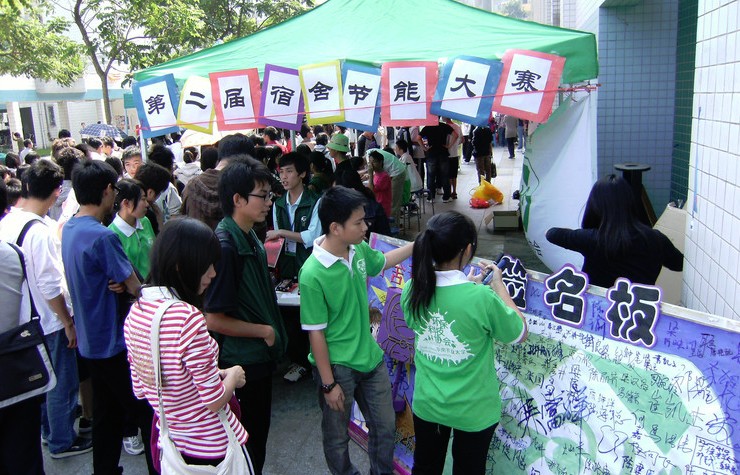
(295, 373)
(133, 445)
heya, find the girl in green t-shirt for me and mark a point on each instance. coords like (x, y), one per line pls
(131, 224)
(455, 319)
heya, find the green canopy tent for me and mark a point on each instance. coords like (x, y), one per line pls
(380, 31)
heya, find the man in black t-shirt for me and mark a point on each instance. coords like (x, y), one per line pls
(436, 137)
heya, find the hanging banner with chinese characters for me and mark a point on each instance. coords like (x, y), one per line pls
(322, 91)
(361, 96)
(237, 98)
(529, 84)
(407, 89)
(608, 380)
(196, 105)
(466, 88)
(156, 104)
(282, 101)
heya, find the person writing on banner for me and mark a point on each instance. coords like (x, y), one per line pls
(194, 390)
(455, 320)
(613, 240)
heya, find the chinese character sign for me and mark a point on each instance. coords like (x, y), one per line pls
(528, 84)
(407, 89)
(564, 295)
(633, 312)
(361, 96)
(282, 101)
(514, 277)
(237, 98)
(322, 92)
(156, 105)
(196, 105)
(466, 88)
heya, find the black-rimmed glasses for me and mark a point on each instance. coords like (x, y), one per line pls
(269, 196)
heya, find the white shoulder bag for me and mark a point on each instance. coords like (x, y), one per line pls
(236, 461)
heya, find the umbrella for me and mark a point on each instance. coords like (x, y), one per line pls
(103, 130)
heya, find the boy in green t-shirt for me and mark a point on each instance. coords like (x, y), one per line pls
(348, 363)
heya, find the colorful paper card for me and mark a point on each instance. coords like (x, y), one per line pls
(236, 97)
(156, 103)
(282, 100)
(407, 90)
(528, 84)
(361, 96)
(321, 85)
(196, 105)
(466, 88)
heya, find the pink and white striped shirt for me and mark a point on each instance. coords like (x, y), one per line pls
(190, 374)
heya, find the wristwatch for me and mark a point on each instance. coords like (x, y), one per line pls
(326, 388)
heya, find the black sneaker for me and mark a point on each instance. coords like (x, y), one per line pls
(79, 446)
(85, 426)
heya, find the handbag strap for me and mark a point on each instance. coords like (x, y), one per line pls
(16, 247)
(154, 344)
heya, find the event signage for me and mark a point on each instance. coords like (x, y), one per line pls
(196, 105)
(466, 88)
(361, 96)
(606, 382)
(156, 103)
(529, 84)
(237, 98)
(282, 100)
(407, 89)
(322, 92)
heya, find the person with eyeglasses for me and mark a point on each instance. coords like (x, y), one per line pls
(240, 304)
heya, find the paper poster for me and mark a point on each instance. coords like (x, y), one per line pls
(282, 100)
(196, 105)
(361, 96)
(322, 91)
(528, 85)
(466, 88)
(407, 89)
(237, 98)
(156, 103)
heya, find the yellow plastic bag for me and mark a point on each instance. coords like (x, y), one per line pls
(487, 191)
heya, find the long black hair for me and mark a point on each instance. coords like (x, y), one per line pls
(181, 254)
(445, 238)
(611, 210)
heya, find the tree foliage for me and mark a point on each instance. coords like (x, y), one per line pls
(513, 9)
(35, 48)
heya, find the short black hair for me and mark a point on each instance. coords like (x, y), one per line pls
(337, 205)
(27, 143)
(14, 191)
(153, 177)
(271, 132)
(403, 145)
(303, 149)
(162, 156)
(67, 158)
(208, 158)
(86, 149)
(64, 134)
(129, 141)
(257, 140)
(95, 143)
(240, 177)
(108, 141)
(116, 163)
(322, 139)
(305, 130)
(41, 180)
(90, 178)
(233, 145)
(31, 157)
(130, 152)
(377, 156)
(298, 160)
(12, 160)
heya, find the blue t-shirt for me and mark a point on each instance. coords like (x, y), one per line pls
(92, 256)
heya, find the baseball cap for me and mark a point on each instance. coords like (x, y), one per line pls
(339, 142)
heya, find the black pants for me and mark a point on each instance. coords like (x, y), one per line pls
(298, 346)
(113, 402)
(20, 438)
(255, 401)
(510, 141)
(469, 449)
(438, 172)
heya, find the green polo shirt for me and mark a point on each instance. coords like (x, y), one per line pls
(334, 299)
(136, 241)
(456, 383)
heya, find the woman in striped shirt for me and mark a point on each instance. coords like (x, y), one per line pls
(194, 388)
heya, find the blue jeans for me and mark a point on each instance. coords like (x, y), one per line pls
(521, 137)
(58, 413)
(372, 391)
(438, 172)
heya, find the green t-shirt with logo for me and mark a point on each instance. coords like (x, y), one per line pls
(334, 299)
(456, 383)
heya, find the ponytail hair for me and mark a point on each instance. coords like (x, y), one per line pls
(445, 239)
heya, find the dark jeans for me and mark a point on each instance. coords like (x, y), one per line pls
(20, 438)
(255, 401)
(438, 171)
(510, 141)
(113, 401)
(469, 449)
(298, 346)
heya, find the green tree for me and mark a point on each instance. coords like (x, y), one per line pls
(35, 48)
(229, 19)
(513, 9)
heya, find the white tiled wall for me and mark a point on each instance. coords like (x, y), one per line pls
(711, 281)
